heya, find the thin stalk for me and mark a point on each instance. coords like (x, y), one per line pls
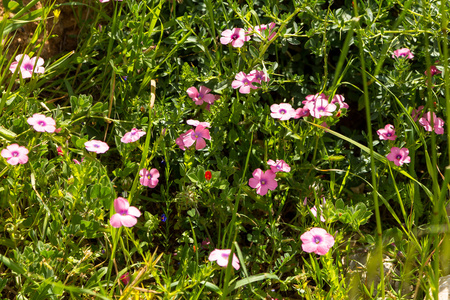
(379, 251)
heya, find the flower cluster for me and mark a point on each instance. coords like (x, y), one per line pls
(245, 82)
(265, 181)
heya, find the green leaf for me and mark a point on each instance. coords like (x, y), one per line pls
(251, 279)
(12, 265)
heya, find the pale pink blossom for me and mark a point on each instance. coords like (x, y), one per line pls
(399, 156)
(243, 82)
(236, 36)
(314, 212)
(403, 52)
(313, 98)
(96, 146)
(340, 100)
(320, 108)
(263, 181)
(258, 76)
(28, 65)
(278, 166)
(317, 240)
(301, 112)
(125, 215)
(104, 1)
(222, 256)
(132, 136)
(179, 141)
(266, 30)
(282, 111)
(196, 136)
(15, 154)
(149, 178)
(438, 123)
(196, 123)
(200, 96)
(387, 133)
(42, 123)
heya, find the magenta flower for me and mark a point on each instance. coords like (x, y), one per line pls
(221, 256)
(283, 111)
(314, 212)
(196, 123)
(387, 133)
(149, 178)
(125, 278)
(104, 1)
(96, 146)
(438, 123)
(278, 166)
(317, 240)
(416, 113)
(15, 154)
(399, 156)
(403, 52)
(320, 108)
(42, 123)
(265, 30)
(28, 65)
(340, 100)
(132, 136)
(243, 82)
(433, 71)
(125, 214)
(196, 136)
(258, 76)
(263, 181)
(201, 96)
(179, 141)
(236, 37)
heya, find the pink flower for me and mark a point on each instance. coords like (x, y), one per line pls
(340, 100)
(313, 98)
(388, 133)
(433, 71)
(416, 113)
(283, 111)
(236, 37)
(314, 212)
(196, 136)
(438, 123)
(243, 82)
(221, 256)
(196, 123)
(96, 146)
(317, 240)
(132, 136)
(320, 108)
(301, 112)
(399, 156)
(149, 179)
(278, 166)
(179, 141)
(104, 1)
(15, 154)
(42, 123)
(60, 151)
(125, 214)
(263, 181)
(27, 66)
(403, 52)
(258, 76)
(125, 278)
(265, 30)
(201, 96)
(77, 162)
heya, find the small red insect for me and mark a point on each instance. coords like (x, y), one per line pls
(208, 175)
